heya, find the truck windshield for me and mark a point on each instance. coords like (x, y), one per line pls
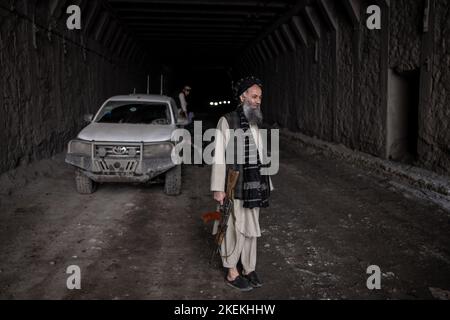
(138, 112)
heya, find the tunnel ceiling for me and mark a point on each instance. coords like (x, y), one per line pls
(197, 31)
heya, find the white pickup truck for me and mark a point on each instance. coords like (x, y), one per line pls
(128, 140)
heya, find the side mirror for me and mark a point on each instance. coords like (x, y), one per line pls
(88, 117)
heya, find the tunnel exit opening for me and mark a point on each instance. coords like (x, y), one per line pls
(403, 115)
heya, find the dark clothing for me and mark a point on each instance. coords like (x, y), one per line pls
(252, 187)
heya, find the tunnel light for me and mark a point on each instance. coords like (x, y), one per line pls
(219, 103)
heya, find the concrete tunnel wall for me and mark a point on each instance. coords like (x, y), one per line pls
(326, 74)
(49, 80)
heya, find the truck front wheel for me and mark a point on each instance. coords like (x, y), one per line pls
(172, 186)
(84, 184)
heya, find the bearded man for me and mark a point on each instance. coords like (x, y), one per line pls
(252, 189)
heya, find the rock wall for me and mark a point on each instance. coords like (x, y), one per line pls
(48, 82)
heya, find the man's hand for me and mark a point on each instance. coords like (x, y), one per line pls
(219, 196)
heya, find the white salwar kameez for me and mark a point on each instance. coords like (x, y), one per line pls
(242, 232)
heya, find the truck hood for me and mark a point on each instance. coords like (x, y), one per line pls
(121, 132)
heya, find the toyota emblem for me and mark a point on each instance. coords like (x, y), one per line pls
(119, 150)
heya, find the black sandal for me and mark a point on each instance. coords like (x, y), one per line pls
(239, 283)
(253, 279)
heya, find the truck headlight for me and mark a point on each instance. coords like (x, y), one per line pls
(158, 150)
(80, 147)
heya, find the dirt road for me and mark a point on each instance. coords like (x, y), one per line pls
(327, 223)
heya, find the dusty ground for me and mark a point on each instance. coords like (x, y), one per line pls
(327, 223)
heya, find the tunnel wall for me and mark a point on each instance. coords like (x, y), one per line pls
(48, 83)
(340, 93)
(434, 144)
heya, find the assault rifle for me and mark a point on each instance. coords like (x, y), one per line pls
(226, 209)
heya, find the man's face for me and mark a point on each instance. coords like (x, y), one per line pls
(187, 90)
(251, 102)
(252, 97)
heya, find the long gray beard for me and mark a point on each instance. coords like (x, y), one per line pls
(254, 116)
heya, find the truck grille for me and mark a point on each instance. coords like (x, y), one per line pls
(120, 166)
(117, 151)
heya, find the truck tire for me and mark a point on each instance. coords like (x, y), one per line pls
(172, 185)
(84, 184)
